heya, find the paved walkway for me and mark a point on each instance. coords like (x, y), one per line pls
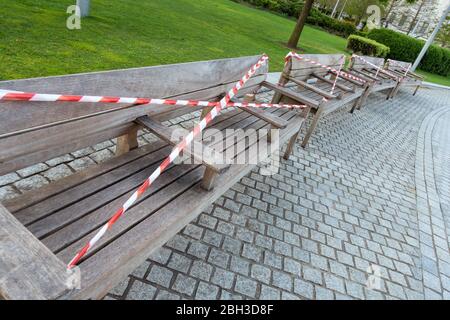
(341, 220)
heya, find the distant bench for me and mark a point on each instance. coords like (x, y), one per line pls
(313, 87)
(43, 229)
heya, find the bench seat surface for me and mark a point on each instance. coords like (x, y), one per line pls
(67, 213)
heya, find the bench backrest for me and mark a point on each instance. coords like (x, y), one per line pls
(358, 63)
(302, 70)
(395, 64)
(32, 132)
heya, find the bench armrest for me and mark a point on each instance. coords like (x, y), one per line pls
(211, 158)
(315, 89)
(293, 95)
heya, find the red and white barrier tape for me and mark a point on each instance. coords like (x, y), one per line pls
(379, 69)
(291, 55)
(395, 63)
(173, 155)
(338, 73)
(39, 97)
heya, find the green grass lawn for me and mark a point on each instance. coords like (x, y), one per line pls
(122, 34)
(431, 77)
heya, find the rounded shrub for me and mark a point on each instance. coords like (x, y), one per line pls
(367, 46)
(405, 48)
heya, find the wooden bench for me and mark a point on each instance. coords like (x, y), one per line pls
(380, 81)
(313, 86)
(53, 222)
(408, 78)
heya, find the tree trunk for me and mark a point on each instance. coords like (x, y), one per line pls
(386, 22)
(295, 36)
(411, 26)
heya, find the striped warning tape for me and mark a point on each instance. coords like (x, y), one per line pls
(341, 73)
(379, 69)
(402, 67)
(39, 97)
(173, 155)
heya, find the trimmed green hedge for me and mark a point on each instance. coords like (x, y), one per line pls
(367, 46)
(286, 7)
(292, 8)
(405, 48)
(340, 28)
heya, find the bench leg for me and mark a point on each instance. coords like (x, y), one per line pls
(290, 146)
(127, 142)
(312, 127)
(209, 177)
(417, 89)
(394, 91)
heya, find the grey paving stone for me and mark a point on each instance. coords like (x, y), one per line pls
(141, 291)
(269, 293)
(166, 295)
(355, 290)
(323, 293)
(29, 171)
(292, 266)
(160, 275)
(261, 273)
(223, 278)
(193, 231)
(140, 271)
(7, 193)
(184, 285)
(304, 289)
(206, 291)
(161, 255)
(81, 163)
(218, 258)
(57, 173)
(245, 286)
(334, 283)
(30, 183)
(273, 260)
(101, 156)
(179, 262)
(198, 249)
(312, 275)
(252, 252)
(8, 178)
(282, 280)
(239, 265)
(201, 270)
(120, 288)
(62, 159)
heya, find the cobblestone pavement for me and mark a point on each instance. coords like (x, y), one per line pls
(340, 213)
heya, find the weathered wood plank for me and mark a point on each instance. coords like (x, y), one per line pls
(28, 270)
